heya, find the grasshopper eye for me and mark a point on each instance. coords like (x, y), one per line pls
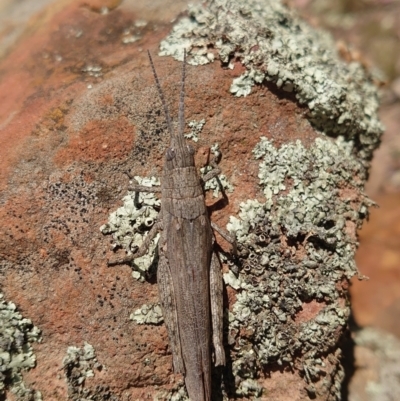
(190, 149)
(170, 154)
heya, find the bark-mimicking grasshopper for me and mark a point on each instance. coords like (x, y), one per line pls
(189, 272)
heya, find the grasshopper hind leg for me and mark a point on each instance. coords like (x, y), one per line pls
(216, 293)
(168, 305)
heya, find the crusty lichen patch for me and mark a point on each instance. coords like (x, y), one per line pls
(147, 314)
(195, 129)
(130, 223)
(16, 353)
(178, 394)
(275, 45)
(80, 364)
(297, 246)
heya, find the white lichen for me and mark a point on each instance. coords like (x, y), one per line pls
(242, 85)
(130, 224)
(79, 364)
(16, 353)
(196, 128)
(147, 314)
(297, 247)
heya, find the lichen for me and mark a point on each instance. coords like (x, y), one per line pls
(147, 314)
(196, 127)
(81, 359)
(80, 364)
(130, 224)
(297, 246)
(242, 85)
(275, 45)
(179, 393)
(16, 353)
(93, 70)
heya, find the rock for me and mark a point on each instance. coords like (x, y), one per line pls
(78, 108)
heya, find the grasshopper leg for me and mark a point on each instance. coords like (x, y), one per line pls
(143, 188)
(142, 249)
(216, 288)
(136, 187)
(231, 238)
(213, 173)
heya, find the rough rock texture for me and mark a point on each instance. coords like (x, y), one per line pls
(78, 107)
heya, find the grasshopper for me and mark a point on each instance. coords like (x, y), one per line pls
(189, 273)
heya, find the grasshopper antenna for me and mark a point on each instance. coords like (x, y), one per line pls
(182, 97)
(160, 92)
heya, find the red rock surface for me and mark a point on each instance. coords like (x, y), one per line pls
(377, 301)
(67, 134)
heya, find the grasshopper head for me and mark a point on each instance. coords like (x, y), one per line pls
(179, 154)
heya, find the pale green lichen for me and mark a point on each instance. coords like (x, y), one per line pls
(147, 314)
(93, 70)
(130, 224)
(82, 358)
(179, 393)
(275, 45)
(241, 86)
(134, 32)
(296, 247)
(78, 365)
(196, 127)
(16, 353)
